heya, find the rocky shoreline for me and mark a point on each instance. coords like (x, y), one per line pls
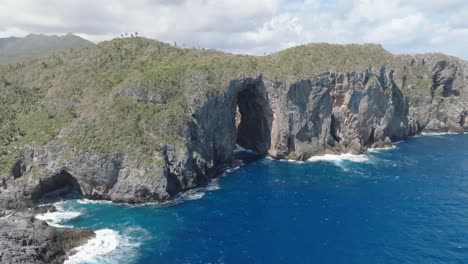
(25, 239)
(283, 118)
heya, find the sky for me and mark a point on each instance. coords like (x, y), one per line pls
(251, 26)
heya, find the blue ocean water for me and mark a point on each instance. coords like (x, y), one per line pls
(408, 204)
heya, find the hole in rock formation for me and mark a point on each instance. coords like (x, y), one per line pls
(254, 117)
(334, 128)
(57, 185)
(371, 137)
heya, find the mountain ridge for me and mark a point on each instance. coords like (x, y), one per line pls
(37, 45)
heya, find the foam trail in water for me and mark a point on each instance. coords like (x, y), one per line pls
(341, 157)
(105, 242)
(87, 201)
(438, 134)
(373, 150)
(197, 193)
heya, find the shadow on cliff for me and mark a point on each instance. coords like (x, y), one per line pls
(254, 118)
(59, 185)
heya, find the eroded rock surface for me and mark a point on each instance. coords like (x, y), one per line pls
(328, 113)
(24, 239)
(287, 107)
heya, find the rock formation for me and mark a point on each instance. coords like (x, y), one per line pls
(173, 126)
(24, 239)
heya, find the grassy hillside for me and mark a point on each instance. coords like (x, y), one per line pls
(16, 49)
(134, 95)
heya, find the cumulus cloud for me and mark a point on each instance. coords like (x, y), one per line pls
(254, 26)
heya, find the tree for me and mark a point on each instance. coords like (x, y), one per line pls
(136, 34)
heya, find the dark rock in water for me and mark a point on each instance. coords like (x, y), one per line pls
(24, 239)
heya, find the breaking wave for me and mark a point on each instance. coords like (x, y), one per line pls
(87, 201)
(59, 217)
(340, 158)
(109, 246)
(374, 150)
(438, 133)
(197, 193)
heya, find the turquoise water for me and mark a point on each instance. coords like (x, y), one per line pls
(408, 204)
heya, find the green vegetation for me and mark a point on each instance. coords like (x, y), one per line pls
(17, 49)
(307, 60)
(135, 95)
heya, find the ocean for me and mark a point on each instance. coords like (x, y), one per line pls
(407, 204)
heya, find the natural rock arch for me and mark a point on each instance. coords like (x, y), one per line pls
(255, 114)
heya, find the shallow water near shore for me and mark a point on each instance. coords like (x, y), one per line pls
(408, 204)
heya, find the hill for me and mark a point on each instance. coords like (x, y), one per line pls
(33, 45)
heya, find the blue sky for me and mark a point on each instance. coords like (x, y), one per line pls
(253, 26)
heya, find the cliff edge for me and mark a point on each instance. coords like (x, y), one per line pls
(136, 120)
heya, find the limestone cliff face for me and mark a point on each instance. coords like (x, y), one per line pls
(443, 108)
(329, 112)
(133, 120)
(337, 113)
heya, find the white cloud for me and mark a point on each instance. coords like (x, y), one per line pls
(253, 26)
(401, 31)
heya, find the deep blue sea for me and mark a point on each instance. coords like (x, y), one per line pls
(408, 204)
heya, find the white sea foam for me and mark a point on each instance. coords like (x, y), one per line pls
(213, 185)
(373, 150)
(233, 169)
(295, 161)
(108, 246)
(438, 134)
(197, 193)
(241, 149)
(192, 195)
(341, 157)
(105, 242)
(58, 217)
(87, 201)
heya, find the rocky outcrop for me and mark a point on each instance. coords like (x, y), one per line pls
(285, 117)
(337, 113)
(440, 107)
(24, 239)
(328, 113)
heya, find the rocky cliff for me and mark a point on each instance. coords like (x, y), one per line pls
(136, 120)
(24, 239)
